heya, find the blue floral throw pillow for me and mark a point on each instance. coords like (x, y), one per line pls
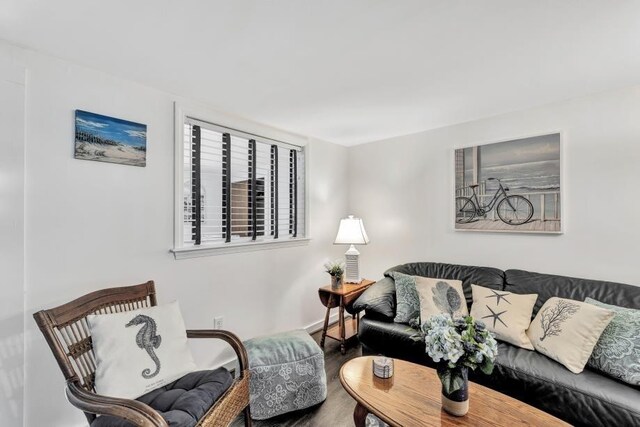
(617, 352)
(407, 299)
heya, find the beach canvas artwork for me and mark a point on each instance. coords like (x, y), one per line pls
(511, 186)
(107, 139)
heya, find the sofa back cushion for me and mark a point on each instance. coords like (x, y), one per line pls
(483, 276)
(548, 285)
(378, 301)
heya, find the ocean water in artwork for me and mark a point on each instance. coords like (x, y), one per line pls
(108, 139)
(528, 177)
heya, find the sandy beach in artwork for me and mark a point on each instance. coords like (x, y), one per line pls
(122, 154)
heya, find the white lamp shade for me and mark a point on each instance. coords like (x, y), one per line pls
(351, 232)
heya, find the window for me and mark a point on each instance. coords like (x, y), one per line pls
(239, 188)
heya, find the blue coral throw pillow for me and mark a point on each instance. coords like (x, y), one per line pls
(617, 352)
(407, 299)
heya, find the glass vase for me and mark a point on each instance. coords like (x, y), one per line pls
(336, 282)
(456, 402)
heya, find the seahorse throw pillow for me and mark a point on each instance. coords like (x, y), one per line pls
(506, 314)
(567, 331)
(138, 351)
(439, 296)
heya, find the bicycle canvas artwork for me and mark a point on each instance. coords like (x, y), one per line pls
(510, 186)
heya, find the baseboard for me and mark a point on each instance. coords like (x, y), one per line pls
(317, 326)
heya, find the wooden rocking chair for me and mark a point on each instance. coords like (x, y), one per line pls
(66, 330)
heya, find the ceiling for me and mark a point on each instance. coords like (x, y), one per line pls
(346, 71)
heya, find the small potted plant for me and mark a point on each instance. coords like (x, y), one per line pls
(335, 270)
(458, 345)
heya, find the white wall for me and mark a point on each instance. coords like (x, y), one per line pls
(12, 93)
(403, 188)
(91, 225)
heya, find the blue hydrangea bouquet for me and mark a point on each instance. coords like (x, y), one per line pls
(458, 345)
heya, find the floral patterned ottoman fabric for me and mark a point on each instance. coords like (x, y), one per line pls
(287, 373)
(373, 421)
(617, 352)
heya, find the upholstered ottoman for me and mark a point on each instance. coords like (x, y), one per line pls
(287, 373)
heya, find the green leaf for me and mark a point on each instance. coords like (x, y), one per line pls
(487, 366)
(469, 364)
(416, 336)
(451, 380)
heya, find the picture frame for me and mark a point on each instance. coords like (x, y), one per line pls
(109, 139)
(513, 186)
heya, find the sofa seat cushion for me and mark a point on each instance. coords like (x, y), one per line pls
(588, 398)
(580, 399)
(392, 340)
(183, 402)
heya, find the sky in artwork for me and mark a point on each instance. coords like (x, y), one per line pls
(527, 150)
(122, 131)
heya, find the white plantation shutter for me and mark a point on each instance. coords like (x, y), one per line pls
(302, 224)
(240, 188)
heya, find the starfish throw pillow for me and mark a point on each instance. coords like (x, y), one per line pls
(506, 314)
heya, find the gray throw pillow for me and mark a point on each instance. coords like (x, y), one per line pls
(407, 299)
(617, 352)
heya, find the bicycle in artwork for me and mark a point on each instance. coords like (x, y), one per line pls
(512, 209)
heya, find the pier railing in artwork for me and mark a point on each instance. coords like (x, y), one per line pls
(546, 204)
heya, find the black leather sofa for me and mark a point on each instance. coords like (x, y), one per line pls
(590, 398)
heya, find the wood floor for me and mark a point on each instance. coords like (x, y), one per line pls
(337, 410)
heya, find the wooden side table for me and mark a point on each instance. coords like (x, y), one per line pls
(340, 298)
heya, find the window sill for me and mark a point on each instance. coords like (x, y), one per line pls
(232, 248)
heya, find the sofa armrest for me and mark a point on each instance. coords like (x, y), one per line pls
(379, 300)
(131, 410)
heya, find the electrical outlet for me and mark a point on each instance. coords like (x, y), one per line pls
(218, 322)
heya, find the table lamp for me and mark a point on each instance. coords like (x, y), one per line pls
(351, 232)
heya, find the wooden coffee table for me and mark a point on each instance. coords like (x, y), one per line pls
(412, 398)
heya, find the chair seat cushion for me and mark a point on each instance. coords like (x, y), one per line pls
(183, 402)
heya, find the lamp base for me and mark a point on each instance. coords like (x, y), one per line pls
(352, 265)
